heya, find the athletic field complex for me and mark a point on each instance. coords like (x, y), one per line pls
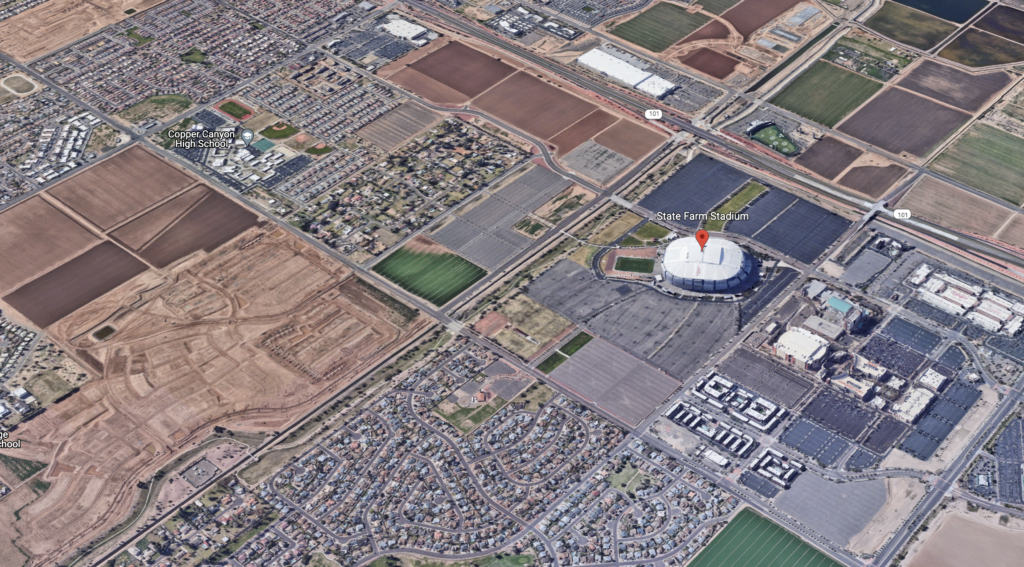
(751, 540)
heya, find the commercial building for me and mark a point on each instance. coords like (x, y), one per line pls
(933, 379)
(824, 328)
(625, 72)
(801, 348)
(858, 388)
(913, 405)
(718, 267)
(404, 30)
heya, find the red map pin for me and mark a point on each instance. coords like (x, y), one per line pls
(702, 237)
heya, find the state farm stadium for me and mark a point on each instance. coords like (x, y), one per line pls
(719, 267)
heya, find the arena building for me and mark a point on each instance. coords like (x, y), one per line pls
(720, 266)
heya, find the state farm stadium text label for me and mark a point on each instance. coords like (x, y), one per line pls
(205, 139)
(702, 216)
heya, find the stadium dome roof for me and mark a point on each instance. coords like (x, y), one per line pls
(720, 266)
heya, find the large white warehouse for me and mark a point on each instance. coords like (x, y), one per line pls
(720, 266)
(625, 72)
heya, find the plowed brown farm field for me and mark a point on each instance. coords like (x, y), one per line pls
(630, 139)
(463, 68)
(253, 331)
(121, 187)
(953, 86)
(569, 139)
(63, 290)
(900, 121)
(829, 157)
(24, 254)
(435, 92)
(748, 16)
(872, 181)
(710, 62)
(534, 105)
(712, 30)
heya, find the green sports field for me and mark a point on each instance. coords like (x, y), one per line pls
(826, 93)
(659, 27)
(987, 159)
(438, 278)
(638, 265)
(751, 540)
(776, 140)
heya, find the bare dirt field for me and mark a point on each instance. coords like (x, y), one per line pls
(903, 495)
(490, 324)
(1012, 232)
(397, 126)
(900, 121)
(463, 68)
(954, 208)
(829, 157)
(120, 187)
(966, 538)
(52, 25)
(428, 88)
(953, 86)
(871, 180)
(710, 62)
(630, 139)
(24, 255)
(748, 16)
(210, 224)
(533, 105)
(569, 139)
(63, 290)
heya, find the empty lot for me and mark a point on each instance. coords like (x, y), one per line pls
(900, 121)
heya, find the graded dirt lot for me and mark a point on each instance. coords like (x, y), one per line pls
(251, 335)
(871, 180)
(534, 105)
(569, 139)
(829, 157)
(900, 121)
(902, 495)
(965, 538)
(54, 24)
(463, 68)
(710, 62)
(953, 86)
(954, 208)
(630, 139)
(24, 254)
(715, 29)
(118, 188)
(62, 291)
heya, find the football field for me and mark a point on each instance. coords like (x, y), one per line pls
(751, 540)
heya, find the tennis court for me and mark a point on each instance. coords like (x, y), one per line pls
(751, 540)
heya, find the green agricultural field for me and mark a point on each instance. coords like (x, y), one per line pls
(776, 140)
(717, 7)
(751, 540)
(279, 131)
(22, 468)
(826, 93)
(235, 110)
(438, 278)
(577, 342)
(909, 26)
(637, 265)
(660, 27)
(552, 362)
(734, 205)
(987, 159)
(979, 49)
